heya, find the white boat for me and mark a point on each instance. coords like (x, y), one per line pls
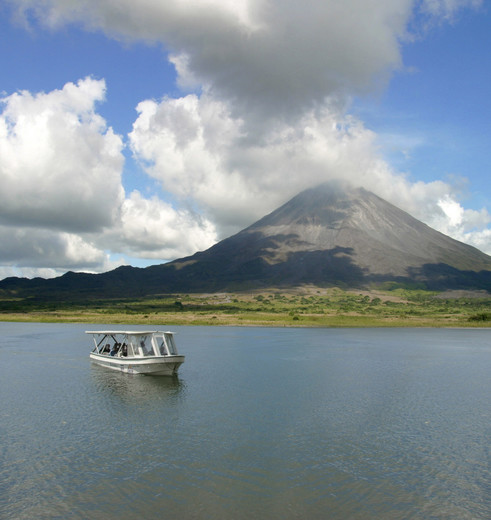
(136, 352)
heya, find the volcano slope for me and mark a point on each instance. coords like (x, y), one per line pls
(334, 235)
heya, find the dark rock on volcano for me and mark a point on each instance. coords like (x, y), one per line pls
(329, 235)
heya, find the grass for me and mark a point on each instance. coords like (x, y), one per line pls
(298, 307)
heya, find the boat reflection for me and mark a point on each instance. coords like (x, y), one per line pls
(136, 389)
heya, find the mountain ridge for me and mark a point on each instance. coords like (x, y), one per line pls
(329, 235)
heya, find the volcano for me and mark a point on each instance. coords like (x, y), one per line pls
(337, 235)
(331, 235)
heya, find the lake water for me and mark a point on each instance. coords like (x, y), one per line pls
(262, 423)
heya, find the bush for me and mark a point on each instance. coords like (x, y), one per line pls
(483, 316)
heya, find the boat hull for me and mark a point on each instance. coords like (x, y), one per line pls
(155, 366)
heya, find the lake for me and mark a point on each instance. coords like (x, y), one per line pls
(262, 423)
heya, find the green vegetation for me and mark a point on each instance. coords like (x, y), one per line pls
(300, 307)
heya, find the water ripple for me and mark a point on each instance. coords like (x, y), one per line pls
(264, 424)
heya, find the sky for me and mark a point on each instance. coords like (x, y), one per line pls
(140, 131)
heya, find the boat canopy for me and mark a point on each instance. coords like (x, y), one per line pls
(132, 332)
(133, 343)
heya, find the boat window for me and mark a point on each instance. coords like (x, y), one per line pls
(143, 348)
(129, 347)
(169, 339)
(161, 346)
(124, 349)
(139, 346)
(115, 349)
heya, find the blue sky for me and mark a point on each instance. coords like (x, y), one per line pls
(442, 102)
(145, 131)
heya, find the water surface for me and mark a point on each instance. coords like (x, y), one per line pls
(262, 423)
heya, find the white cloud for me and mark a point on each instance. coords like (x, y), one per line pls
(60, 166)
(204, 156)
(269, 56)
(186, 144)
(39, 250)
(447, 8)
(466, 225)
(62, 203)
(151, 228)
(452, 210)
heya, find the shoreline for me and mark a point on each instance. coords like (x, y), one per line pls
(347, 321)
(297, 307)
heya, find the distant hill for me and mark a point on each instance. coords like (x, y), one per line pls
(330, 235)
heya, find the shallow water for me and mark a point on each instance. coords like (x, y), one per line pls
(262, 423)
